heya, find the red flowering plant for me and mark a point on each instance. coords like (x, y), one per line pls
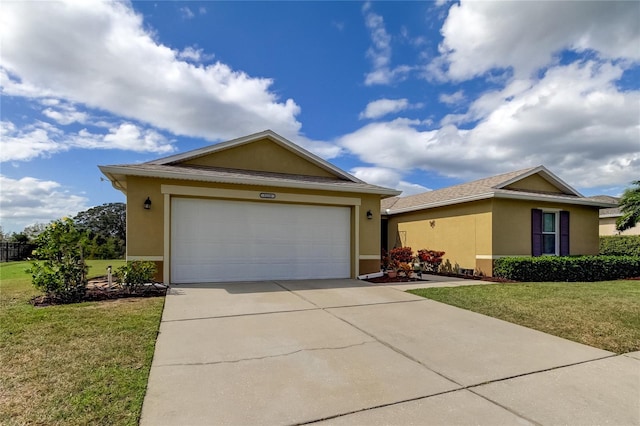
(385, 262)
(431, 259)
(401, 255)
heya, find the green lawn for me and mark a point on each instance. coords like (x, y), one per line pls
(602, 314)
(86, 363)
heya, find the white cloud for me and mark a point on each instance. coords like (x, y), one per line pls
(484, 35)
(29, 200)
(453, 98)
(382, 107)
(64, 113)
(101, 55)
(126, 136)
(192, 54)
(388, 178)
(43, 139)
(36, 140)
(574, 121)
(187, 13)
(380, 51)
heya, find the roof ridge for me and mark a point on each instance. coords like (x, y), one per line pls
(515, 173)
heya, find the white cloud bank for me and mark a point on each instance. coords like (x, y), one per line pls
(43, 139)
(29, 200)
(100, 55)
(572, 117)
(526, 35)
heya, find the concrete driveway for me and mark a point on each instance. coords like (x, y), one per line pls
(349, 352)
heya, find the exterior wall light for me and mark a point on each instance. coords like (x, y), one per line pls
(369, 215)
(147, 203)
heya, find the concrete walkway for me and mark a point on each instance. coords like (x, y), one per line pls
(349, 352)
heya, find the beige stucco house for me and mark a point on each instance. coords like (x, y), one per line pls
(608, 217)
(528, 212)
(254, 208)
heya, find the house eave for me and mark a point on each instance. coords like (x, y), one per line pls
(444, 203)
(550, 198)
(118, 173)
(510, 195)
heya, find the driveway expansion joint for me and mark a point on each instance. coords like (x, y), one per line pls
(418, 398)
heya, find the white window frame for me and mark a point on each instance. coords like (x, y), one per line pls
(555, 232)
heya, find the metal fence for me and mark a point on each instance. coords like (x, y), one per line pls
(14, 251)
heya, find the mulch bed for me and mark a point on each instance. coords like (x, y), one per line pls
(98, 289)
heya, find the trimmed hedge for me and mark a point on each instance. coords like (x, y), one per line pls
(567, 268)
(620, 245)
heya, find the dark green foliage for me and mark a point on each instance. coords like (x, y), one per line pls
(134, 275)
(620, 245)
(106, 227)
(630, 207)
(567, 268)
(61, 272)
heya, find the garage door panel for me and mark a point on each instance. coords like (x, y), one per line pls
(224, 240)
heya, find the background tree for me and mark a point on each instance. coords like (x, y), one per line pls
(630, 207)
(108, 220)
(32, 231)
(106, 228)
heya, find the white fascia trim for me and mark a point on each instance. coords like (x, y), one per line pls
(603, 216)
(114, 181)
(484, 196)
(510, 195)
(245, 181)
(251, 138)
(498, 256)
(549, 199)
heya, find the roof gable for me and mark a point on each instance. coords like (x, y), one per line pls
(281, 164)
(261, 152)
(539, 180)
(535, 183)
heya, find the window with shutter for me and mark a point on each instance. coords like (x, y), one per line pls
(536, 232)
(549, 233)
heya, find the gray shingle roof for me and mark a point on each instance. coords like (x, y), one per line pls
(611, 211)
(226, 175)
(480, 189)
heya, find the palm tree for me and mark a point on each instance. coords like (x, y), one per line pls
(630, 207)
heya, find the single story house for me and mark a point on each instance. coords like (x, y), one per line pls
(608, 217)
(255, 208)
(529, 212)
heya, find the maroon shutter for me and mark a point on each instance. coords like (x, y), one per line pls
(564, 233)
(536, 232)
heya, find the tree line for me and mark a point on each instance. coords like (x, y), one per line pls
(104, 228)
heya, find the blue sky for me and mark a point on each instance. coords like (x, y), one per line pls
(410, 95)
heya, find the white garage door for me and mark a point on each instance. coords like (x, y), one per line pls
(222, 240)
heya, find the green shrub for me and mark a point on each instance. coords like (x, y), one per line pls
(134, 275)
(620, 245)
(61, 272)
(567, 268)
